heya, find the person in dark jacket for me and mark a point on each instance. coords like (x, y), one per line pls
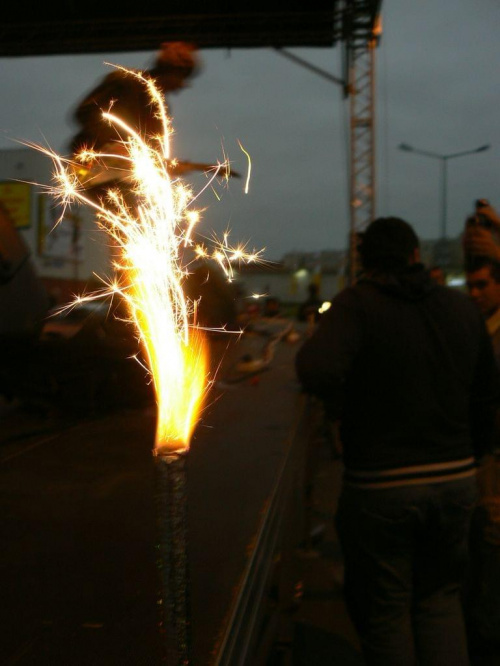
(406, 367)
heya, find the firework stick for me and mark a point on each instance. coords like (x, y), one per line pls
(148, 216)
(174, 602)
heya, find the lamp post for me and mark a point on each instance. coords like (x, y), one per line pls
(444, 174)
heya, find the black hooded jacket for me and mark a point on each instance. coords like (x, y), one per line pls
(407, 367)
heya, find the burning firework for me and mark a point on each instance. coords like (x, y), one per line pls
(152, 221)
(150, 217)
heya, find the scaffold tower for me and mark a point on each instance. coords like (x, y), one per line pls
(362, 30)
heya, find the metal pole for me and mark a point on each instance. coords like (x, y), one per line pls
(444, 174)
(444, 201)
(173, 602)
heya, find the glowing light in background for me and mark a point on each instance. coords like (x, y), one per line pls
(152, 223)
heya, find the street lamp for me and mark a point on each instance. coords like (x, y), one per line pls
(444, 173)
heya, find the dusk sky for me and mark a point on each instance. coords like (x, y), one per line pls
(438, 89)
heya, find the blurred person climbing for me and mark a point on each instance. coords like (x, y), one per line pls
(126, 96)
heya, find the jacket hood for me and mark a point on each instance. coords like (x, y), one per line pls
(413, 284)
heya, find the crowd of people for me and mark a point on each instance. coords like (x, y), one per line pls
(407, 369)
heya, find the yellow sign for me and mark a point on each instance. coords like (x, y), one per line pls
(16, 199)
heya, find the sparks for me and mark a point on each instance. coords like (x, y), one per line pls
(247, 182)
(153, 224)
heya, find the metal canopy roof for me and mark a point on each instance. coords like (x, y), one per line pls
(70, 27)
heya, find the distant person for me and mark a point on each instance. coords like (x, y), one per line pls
(482, 600)
(481, 237)
(406, 367)
(437, 274)
(483, 284)
(216, 298)
(309, 309)
(272, 307)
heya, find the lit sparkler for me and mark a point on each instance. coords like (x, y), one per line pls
(153, 225)
(152, 221)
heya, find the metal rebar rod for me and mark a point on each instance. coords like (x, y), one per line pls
(172, 558)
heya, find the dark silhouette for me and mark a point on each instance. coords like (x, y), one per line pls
(127, 97)
(272, 307)
(437, 274)
(309, 309)
(406, 367)
(482, 599)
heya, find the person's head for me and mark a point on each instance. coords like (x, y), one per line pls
(175, 63)
(271, 307)
(437, 274)
(483, 284)
(389, 245)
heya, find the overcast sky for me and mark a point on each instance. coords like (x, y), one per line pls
(438, 89)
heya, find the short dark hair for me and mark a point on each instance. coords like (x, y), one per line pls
(387, 245)
(484, 262)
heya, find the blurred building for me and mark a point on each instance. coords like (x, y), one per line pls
(66, 256)
(447, 253)
(287, 284)
(69, 255)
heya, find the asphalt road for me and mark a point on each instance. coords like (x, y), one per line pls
(78, 519)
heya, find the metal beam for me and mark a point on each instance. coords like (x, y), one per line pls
(362, 32)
